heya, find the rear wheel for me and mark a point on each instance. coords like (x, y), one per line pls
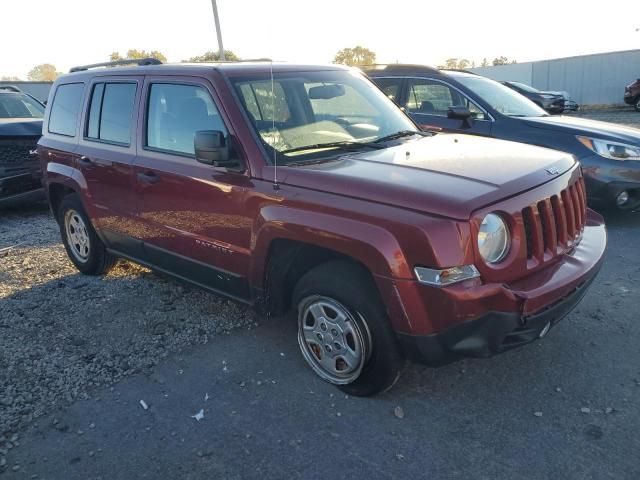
(343, 330)
(84, 247)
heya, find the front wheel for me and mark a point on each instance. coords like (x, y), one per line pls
(344, 333)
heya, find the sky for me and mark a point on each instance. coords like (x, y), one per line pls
(72, 32)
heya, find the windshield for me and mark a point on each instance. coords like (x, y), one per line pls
(317, 108)
(524, 86)
(17, 105)
(501, 98)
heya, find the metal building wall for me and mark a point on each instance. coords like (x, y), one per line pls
(589, 79)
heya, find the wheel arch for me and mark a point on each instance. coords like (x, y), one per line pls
(285, 249)
(55, 193)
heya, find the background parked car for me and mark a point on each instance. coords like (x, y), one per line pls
(632, 94)
(552, 102)
(454, 101)
(20, 128)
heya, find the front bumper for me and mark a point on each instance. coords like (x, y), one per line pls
(605, 179)
(480, 320)
(630, 99)
(554, 105)
(493, 333)
(21, 187)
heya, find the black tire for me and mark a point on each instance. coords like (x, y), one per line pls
(98, 261)
(637, 104)
(352, 287)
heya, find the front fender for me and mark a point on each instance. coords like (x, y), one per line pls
(371, 245)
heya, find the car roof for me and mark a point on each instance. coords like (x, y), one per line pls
(405, 69)
(230, 68)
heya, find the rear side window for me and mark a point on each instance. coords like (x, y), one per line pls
(111, 112)
(64, 110)
(176, 113)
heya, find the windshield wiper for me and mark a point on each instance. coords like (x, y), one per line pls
(346, 145)
(400, 134)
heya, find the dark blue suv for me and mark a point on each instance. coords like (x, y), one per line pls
(454, 101)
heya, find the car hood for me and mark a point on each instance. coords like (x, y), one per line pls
(448, 175)
(20, 127)
(590, 128)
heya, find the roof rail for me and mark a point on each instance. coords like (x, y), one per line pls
(459, 70)
(128, 61)
(399, 68)
(11, 88)
(244, 60)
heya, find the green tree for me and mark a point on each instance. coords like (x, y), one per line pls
(356, 56)
(213, 57)
(45, 72)
(485, 62)
(133, 53)
(463, 64)
(503, 61)
(455, 64)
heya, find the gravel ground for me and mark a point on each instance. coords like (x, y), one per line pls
(62, 333)
(566, 407)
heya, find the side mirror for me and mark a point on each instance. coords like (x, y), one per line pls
(461, 113)
(211, 147)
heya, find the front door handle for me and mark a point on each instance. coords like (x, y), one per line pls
(85, 161)
(148, 177)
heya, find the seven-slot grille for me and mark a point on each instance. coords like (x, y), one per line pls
(554, 224)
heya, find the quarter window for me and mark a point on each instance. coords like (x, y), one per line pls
(111, 112)
(64, 110)
(176, 113)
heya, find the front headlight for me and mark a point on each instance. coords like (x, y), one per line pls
(612, 150)
(493, 238)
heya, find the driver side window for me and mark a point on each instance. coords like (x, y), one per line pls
(429, 97)
(176, 112)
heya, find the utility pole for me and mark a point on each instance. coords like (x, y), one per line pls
(218, 32)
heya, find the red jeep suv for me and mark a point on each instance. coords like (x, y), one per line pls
(305, 189)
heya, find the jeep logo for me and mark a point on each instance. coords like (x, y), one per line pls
(553, 171)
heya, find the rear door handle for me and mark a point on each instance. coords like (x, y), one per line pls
(85, 161)
(148, 177)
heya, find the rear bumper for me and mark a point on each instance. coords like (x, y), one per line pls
(475, 319)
